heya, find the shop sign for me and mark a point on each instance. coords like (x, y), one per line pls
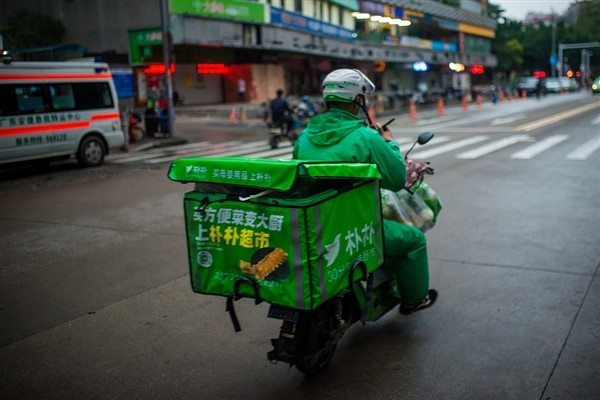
(140, 43)
(227, 9)
(299, 21)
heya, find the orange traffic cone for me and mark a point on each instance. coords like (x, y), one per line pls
(233, 116)
(501, 96)
(509, 96)
(516, 95)
(479, 101)
(412, 112)
(465, 104)
(524, 94)
(440, 106)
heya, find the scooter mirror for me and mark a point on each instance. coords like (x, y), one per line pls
(422, 139)
(425, 137)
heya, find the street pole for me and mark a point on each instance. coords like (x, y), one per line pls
(553, 49)
(166, 40)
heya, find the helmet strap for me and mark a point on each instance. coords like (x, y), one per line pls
(363, 107)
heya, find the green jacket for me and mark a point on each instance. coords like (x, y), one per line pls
(338, 135)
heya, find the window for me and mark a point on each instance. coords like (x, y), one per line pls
(298, 6)
(16, 99)
(62, 96)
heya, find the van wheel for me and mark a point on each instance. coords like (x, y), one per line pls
(91, 152)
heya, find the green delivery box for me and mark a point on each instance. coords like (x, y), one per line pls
(286, 232)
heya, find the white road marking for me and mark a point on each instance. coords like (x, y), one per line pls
(421, 155)
(494, 146)
(543, 145)
(506, 120)
(216, 150)
(585, 150)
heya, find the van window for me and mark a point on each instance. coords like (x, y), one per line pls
(22, 99)
(62, 97)
(16, 99)
(92, 95)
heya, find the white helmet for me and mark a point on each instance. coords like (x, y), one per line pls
(343, 85)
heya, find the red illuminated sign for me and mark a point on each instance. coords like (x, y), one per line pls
(539, 74)
(477, 69)
(211, 68)
(159, 69)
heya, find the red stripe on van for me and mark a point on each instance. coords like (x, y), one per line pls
(45, 77)
(31, 129)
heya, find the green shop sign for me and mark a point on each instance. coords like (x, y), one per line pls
(142, 43)
(228, 9)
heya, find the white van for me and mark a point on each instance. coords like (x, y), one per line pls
(57, 110)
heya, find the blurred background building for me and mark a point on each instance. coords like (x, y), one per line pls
(404, 45)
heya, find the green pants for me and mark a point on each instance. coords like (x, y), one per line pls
(406, 252)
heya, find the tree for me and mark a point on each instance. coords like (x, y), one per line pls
(525, 48)
(507, 44)
(26, 29)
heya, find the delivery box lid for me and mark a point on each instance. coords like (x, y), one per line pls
(265, 173)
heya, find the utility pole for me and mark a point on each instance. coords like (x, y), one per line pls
(166, 40)
(553, 48)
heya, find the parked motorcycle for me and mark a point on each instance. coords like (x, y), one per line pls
(278, 133)
(136, 132)
(317, 281)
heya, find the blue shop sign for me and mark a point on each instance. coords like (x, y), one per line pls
(299, 21)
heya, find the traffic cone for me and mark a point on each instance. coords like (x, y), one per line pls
(509, 94)
(465, 104)
(501, 96)
(440, 106)
(516, 95)
(233, 116)
(524, 94)
(479, 100)
(412, 112)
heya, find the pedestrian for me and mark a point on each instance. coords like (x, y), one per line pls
(281, 112)
(340, 135)
(241, 90)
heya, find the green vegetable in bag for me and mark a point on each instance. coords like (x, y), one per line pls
(430, 197)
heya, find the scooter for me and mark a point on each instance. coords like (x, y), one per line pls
(278, 132)
(308, 339)
(301, 265)
(136, 132)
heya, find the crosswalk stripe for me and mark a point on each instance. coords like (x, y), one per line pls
(178, 151)
(585, 150)
(437, 146)
(241, 149)
(535, 149)
(494, 146)
(281, 153)
(424, 154)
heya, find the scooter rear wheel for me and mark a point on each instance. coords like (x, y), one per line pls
(316, 344)
(136, 134)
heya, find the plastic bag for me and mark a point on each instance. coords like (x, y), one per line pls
(419, 208)
(430, 197)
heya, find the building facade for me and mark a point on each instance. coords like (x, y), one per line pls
(404, 45)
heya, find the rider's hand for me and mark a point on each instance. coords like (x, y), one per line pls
(384, 132)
